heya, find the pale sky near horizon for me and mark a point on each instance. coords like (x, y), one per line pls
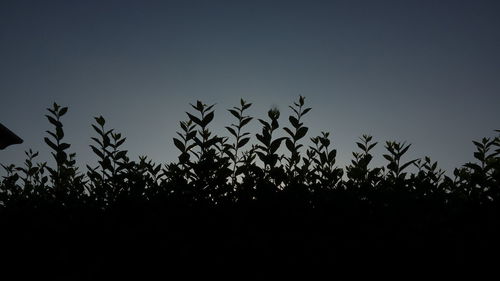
(425, 72)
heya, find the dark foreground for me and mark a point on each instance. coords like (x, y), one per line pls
(255, 240)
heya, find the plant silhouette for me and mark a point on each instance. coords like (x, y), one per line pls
(231, 203)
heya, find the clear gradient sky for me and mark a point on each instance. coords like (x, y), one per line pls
(425, 72)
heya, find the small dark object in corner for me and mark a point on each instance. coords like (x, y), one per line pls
(8, 138)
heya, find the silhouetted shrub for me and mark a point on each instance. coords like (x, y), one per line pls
(226, 199)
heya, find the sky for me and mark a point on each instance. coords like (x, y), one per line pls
(424, 72)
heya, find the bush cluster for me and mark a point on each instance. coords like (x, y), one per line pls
(215, 170)
(237, 197)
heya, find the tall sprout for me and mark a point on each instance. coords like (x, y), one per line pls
(240, 138)
(297, 132)
(359, 172)
(396, 167)
(68, 182)
(266, 150)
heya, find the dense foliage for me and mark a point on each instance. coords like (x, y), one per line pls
(227, 199)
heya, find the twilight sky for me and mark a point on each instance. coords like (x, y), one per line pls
(425, 72)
